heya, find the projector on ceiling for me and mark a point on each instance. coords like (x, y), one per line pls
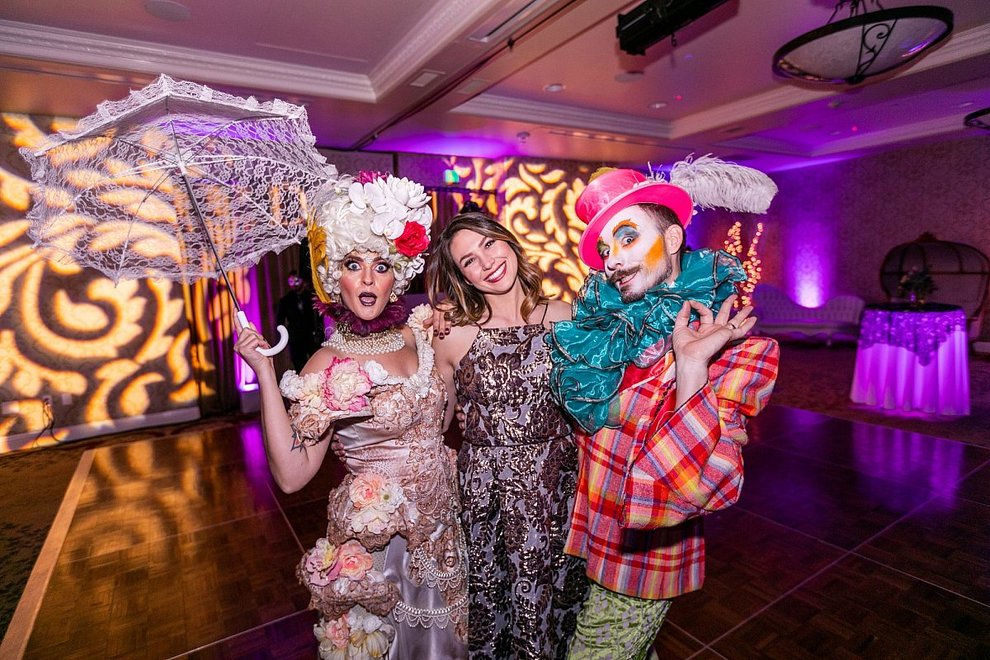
(655, 19)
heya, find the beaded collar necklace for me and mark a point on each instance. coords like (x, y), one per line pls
(375, 343)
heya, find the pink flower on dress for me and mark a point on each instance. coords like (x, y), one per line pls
(365, 488)
(375, 499)
(345, 385)
(355, 561)
(334, 635)
(323, 563)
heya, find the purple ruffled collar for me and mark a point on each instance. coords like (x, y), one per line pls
(393, 315)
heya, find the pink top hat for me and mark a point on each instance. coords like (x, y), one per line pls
(613, 191)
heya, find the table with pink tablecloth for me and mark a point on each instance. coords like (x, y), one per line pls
(913, 359)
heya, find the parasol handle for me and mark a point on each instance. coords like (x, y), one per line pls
(274, 350)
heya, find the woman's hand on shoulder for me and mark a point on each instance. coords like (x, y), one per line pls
(441, 319)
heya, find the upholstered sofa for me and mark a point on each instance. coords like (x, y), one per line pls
(779, 316)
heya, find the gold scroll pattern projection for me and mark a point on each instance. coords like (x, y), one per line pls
(539, 209)
(96, 351)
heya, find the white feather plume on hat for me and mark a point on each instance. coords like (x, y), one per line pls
(713, 182)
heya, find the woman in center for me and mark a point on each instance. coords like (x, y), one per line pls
(518, 463)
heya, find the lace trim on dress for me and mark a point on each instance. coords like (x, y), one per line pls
(428, 618)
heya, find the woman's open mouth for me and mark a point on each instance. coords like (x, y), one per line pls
(368, 299)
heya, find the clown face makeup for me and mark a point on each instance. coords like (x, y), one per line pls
(366, 280)
(636, 254)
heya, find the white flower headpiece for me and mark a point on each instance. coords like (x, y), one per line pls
(375, 213)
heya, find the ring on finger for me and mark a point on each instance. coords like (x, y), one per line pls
(732, 325)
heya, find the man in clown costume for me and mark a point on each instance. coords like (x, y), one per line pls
(657, 370)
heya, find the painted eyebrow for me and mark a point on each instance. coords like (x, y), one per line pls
(625, 224)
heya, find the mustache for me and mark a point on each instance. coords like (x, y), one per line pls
(621, 274)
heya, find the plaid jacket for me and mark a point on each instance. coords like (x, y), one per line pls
(643, 486)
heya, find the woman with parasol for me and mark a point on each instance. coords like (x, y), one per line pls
(389, 578)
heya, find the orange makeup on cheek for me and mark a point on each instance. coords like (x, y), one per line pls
(654, 254)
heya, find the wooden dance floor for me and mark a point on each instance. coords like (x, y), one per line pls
(850, 540)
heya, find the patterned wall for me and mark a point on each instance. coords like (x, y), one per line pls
(535, 199)
(74, 348)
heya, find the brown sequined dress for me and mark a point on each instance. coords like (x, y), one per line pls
(518, 468)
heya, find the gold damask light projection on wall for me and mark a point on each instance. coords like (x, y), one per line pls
(98, 352)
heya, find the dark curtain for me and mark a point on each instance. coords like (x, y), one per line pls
(210, 313)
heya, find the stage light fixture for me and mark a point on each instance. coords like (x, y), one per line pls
(653, 20)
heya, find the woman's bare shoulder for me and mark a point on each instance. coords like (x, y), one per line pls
(558, 310)
(451, 348)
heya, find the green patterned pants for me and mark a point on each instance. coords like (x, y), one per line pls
(615, 627)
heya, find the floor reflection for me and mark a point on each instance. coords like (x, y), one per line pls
(849, 539)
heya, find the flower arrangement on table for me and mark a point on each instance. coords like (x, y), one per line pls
(916, 285)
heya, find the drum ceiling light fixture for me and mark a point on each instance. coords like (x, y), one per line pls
(866, 44)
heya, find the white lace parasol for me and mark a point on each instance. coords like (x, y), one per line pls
(177, 181)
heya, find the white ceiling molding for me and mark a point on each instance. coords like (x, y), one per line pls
(904, 133)
(83, 48)
(538, 112)
(764, 144)
(741, 110)
(444, 23)
(959, 46)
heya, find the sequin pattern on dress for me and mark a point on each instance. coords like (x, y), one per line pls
(518, 470)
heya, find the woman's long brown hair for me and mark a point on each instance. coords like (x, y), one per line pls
(445, 281)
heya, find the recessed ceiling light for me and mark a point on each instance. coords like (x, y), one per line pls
(168, 10)
(657, 105)
(628, 76)
(553, 88)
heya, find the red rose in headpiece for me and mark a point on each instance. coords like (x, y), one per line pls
(413, 240)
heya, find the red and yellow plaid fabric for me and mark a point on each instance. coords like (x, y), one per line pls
(643, 486)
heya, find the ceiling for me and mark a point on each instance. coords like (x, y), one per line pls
(470, 77)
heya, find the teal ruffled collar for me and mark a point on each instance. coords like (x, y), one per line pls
(591, 352)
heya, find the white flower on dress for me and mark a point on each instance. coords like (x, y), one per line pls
(356, 635)
(419, 316)
(376, 373)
